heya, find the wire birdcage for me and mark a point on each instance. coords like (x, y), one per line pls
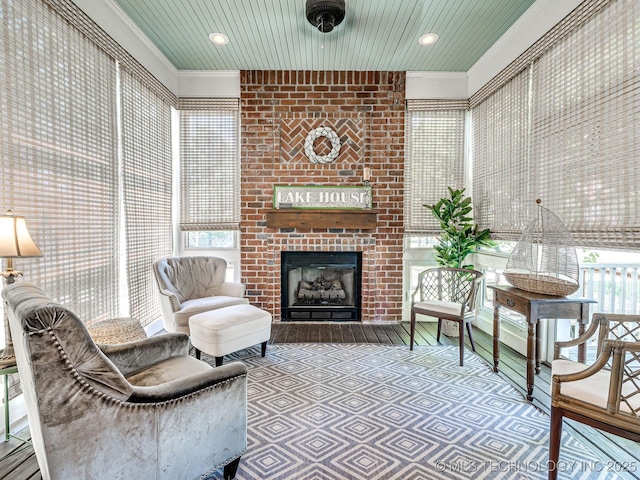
(544, 260)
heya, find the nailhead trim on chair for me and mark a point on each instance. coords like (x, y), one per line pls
(91, 390)
(210, 472)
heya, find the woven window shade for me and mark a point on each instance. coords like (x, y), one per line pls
(80, 20)
(570, 23)
(147, 170)
(586, 128)
(435, 146)
(565, 130)
(57, 149)
(500, 154)
(209, 164)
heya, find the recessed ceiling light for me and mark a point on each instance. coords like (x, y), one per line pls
(219, 38)
(428, 39)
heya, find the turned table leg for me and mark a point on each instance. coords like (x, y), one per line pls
(496, 337)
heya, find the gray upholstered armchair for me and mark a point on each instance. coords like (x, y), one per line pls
(144, 409)
(191, 285)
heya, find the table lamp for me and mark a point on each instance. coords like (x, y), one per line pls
(15, 242)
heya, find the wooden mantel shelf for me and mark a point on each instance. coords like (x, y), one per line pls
(322, 218)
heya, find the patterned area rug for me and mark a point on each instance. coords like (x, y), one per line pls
(367, 412)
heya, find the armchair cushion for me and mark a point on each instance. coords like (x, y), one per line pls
(200, 305)
(439, 306)
(593, 389)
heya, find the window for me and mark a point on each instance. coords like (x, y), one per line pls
(564, 129)
(69, 160)
(500, 157)
(58, 155)
(209, 164)
(211, 240)
(435, 159)
(146, 177)
(586, 126)
(435, 132)
(210, 179)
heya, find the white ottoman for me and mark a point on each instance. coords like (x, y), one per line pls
(226, 330)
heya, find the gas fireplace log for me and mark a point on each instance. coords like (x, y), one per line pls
(321, 288)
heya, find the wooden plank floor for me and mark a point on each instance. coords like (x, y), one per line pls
(18, 460)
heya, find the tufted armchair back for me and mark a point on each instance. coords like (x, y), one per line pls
(192, 277)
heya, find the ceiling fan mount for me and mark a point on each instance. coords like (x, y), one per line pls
(325, 14)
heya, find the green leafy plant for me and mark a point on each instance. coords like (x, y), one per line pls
(459, 236)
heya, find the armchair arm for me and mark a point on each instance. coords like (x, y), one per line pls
(174, 301)
(232, 289)
(187, 385)
(575, 341)
(613, 350)
(134, 356)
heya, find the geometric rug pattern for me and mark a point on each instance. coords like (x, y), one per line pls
(368, 412)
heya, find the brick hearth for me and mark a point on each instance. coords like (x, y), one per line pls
(366, 109)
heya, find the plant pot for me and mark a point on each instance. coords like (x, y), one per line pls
(450, 329)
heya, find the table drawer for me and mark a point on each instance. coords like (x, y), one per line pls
(514, 303)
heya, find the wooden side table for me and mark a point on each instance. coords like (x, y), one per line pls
(535, 307)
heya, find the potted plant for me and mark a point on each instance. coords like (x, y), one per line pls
(459, 236)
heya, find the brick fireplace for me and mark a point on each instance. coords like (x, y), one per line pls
(320, 286)
(366, 110)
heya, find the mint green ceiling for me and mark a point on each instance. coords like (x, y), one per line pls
(275, 35)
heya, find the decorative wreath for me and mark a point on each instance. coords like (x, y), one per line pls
(311, 139)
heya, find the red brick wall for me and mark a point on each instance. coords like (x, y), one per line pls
(374, 101)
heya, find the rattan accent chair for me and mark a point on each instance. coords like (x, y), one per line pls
(449, 294)
(604, 395)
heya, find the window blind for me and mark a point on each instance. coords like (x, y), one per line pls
(586, 128)
(566, 130)
(58, 163)
(84, 24)
(147, 173)
(209, 164)
(500, 155)
(574, 20)
(435, 146)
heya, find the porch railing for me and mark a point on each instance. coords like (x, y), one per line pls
(615, 287)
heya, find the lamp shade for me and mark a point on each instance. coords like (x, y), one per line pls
(15, 240)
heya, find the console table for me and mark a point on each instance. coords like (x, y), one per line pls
(535, 307)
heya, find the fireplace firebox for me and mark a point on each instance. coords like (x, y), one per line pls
(321, 286)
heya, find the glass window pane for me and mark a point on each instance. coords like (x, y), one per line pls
(215, 239)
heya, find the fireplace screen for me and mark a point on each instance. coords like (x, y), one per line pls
(321, 285)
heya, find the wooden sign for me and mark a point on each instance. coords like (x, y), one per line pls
(321, 196)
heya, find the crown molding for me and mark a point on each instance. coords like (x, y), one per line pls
(208, 83)
(113, 20)
(539, 18)
(436, 85)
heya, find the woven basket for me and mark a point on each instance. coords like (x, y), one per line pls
(544, 284)
(116, 330)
